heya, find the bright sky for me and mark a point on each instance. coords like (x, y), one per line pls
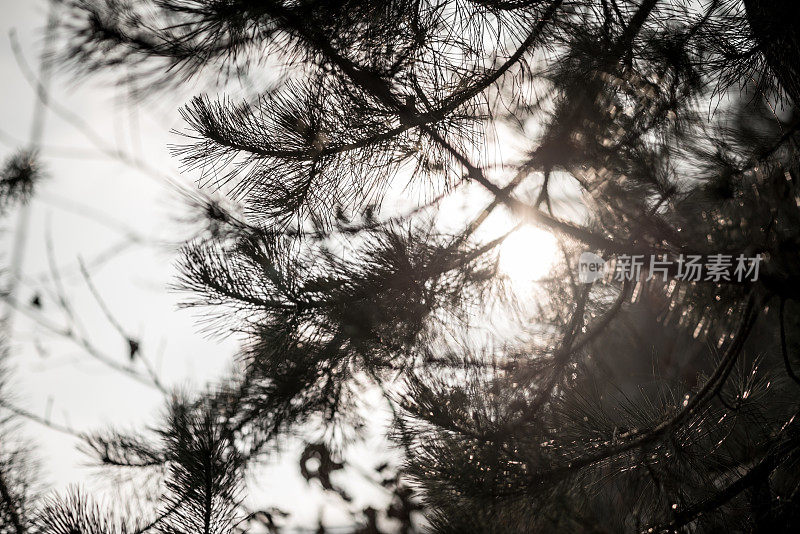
(87, 206)
(85, 209)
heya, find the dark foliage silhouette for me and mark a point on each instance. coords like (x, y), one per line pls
(638, 406)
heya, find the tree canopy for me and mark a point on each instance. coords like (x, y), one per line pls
(647, 128)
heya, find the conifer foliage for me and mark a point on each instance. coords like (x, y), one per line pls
(637, 406)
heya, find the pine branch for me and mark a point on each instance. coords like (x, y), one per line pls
(10, 505)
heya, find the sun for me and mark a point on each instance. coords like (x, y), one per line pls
(528, 255)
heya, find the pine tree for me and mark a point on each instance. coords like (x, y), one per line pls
(18, 482)
(17, 471)
(638, 406)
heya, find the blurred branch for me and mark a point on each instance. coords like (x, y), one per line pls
(83, 127)
(10, 506)
(66, 152)
(133, 344)
(93, 214)
(37, 131)
(40, 420)
(70, 335)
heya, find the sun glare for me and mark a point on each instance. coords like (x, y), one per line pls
(528, 254)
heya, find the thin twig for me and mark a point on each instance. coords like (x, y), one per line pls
(81, 342)
(119, 328)
(40, 420)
